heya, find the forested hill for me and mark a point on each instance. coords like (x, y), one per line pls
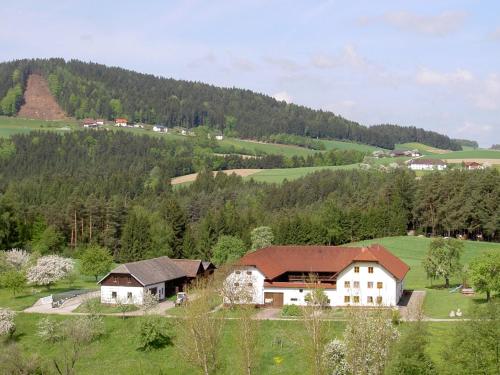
(94, 90)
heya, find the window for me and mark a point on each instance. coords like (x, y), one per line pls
(249, 272)
(129, 279)
(370, 269)
(356, 269)
(113, 295)
(293, 299)
(380, 285)
(301, 290)
(370, 284)
(379, 300)
(115, 279)
(356, 284)
(369, 299)
(347, 299)
(237, 272)
(129, 295)
(356, 299)
(236, 284)
(249, 284)
(347, 284)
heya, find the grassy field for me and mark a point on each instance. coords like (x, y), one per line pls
(439, 301)
(280, 174)
(470, 154)
(342, 145)
(269, 148)
(424, 149)
(14, 125)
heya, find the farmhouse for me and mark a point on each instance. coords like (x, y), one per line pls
(121, 122)
(160, 129)
(426, 164)
(89, 123)
(472, 165)
(350, 276)
(162, 276)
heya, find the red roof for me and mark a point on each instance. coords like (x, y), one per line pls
(121, 120)
(427, 161)
(472, 164)
(273, 261)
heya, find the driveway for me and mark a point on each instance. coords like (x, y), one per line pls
(268, 313)
(411, 304)
(67, 308)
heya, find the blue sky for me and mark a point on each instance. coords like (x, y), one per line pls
(433, 64)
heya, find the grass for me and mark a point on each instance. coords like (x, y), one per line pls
(343, 145)
(470, 154)
(95, 305)
(14, 125)
(439, 301)
(424, 149)
(278, 175)
(269, 148)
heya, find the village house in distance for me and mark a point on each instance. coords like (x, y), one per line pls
(427, 164)
(350, 276)
(162, 277)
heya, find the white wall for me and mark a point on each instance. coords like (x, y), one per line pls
(240, 276)
(160, 289)
(426, 167)
(388, 292)
(122, 294)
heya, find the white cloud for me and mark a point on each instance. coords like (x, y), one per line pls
(438, 25)
(427, 76)
(348, 57)
(283, 63)
(488, 94)
(244, 65)
(472, 128)
(283, 96)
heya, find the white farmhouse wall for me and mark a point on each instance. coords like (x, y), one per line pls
(122, 294)
(426, 167)
(296, 296)
(389, 291)
(240, 278)
(160, 289)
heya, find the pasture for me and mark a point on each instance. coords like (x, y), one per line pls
(15, 125)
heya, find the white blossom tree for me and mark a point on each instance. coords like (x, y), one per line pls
(334, 358)
(17, 258)
(7, 325)
(49, 269)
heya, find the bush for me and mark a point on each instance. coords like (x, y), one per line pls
(153, 333)
(49, 330)
(291, 310)
(395, 317)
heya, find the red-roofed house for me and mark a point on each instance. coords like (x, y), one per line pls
(121, 122)
(356, 276)
(471, 165)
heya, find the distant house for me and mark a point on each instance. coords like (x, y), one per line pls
(219, 137)
(208, 268)
(184, 132)
(99, 121)
(192, 268)
(160, 129)
(349, 276)
(121, 122)
(89, 123)
(426, 164)
(397, 153)
(472, 165)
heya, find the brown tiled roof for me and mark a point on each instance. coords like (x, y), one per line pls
(427, 161)
(273, 261)
(151, 271)
(189, 266)
(283, 284)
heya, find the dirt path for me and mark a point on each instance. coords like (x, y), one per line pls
(191, 177)
(39, 103)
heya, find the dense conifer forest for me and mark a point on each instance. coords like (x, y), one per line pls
(94, 90)
(59, 192)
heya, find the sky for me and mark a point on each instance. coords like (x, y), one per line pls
(426, 63)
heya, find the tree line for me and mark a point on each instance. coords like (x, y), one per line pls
(94, 90)
(60, 192)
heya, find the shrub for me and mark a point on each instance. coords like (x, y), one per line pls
(49, 330)
(291, 310)
(153, 333)
(7, 325)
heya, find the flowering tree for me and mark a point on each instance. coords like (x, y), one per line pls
(49, 269)
(334, 358)
(17, 258)
(7, 325)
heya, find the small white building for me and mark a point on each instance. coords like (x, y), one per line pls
(219, 137)
(128, 282)
(350, 276)
(426, 164)
(160, 129)
(121, 122)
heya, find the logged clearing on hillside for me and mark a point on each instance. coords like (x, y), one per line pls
(191, 177)
(39, 103)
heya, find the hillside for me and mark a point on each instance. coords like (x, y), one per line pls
(39, 103)
(91, 90)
